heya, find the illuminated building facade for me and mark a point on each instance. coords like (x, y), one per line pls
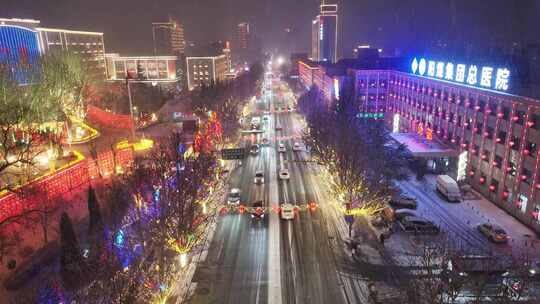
(150, 69)
(242, 36)
(324, 36)
(491, 138)
(206, 70)
(24, 39)
(496, 135)
(168, 38)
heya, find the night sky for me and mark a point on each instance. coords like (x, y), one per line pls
(390, 24)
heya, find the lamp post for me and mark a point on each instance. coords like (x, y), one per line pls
(130, 109)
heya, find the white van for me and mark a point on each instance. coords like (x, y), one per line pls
(448, 188)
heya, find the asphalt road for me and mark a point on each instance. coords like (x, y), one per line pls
(313, 265)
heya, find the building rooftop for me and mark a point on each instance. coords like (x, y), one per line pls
(421, 147)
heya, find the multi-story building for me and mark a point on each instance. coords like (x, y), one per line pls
(148, 69)
(206, 70)
(168, 38)
(325, 34)
(295, 59)
(24, 38)
(462, 121)
(243, 36)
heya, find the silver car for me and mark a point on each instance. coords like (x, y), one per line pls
(259, 178)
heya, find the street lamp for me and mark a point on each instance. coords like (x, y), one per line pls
(130, 109)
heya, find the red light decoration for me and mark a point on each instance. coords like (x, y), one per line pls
(498, 140)
(495, 163)
(486, 134)
(508, 169)
(535, 215)
(484, 156)
(511, 143)
(530, 124)
(482, 180)
(463, 145)
(500, 115)
(515, 118)
(538, 186)
(477, 108)
(241, 209)
(526, 152)
(505, 194)
(473, 151)
(524, 177)
(471, 173)
(492, 188)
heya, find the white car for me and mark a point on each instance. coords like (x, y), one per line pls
(297, 147)
(281, 148)
(287, 212)
(284, 174)
(259, 177)
(234, 197)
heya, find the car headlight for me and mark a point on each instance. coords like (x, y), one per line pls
(532, 271)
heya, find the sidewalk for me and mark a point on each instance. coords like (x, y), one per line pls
(481, 210)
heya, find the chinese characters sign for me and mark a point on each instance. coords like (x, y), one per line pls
(473, 75)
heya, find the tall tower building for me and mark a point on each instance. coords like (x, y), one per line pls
(325, 34)
(242, 35)
(168, 38)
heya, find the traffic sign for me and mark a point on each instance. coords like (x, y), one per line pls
(235, 153)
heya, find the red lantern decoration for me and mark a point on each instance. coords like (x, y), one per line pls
(511, 143)
(500, 115)
(505, 194)
(526, 152)
(530, 124)
(482, 180)
(498, 140)
(471, 173)
(524, 177)
(535, 215)
(495, 163)
(492, 188)
(515, 118)
(463, 145)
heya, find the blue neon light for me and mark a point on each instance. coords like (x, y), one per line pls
(19, 51)
(485, 77)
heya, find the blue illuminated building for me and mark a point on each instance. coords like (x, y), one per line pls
(19, 50)
(23, 41)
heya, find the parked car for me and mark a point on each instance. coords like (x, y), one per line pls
(494, 233)
(534, 268)
(404, 201)
(284, 174)
(259, 177)
(287, 212)
(282, 148)
(234, 197)
(254, 149)
(418, 225)
(401, 213)
(278, 127)
(297, 147)
(448, 187)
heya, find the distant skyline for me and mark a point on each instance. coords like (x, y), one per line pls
(388, 24)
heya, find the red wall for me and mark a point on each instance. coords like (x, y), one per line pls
(48, 188)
